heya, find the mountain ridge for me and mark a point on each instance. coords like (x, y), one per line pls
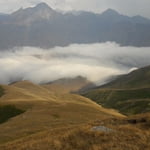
(42, 26)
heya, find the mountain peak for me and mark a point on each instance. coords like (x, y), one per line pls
(28, 15)
(43, 6)
(110, 12)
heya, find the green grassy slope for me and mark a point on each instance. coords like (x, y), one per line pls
(139, 78)
(130, 94)
(126, 101)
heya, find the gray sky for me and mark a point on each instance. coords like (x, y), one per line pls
(128, 7)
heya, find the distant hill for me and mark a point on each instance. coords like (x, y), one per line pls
(42, 26)
(130, 93)
(72, 85)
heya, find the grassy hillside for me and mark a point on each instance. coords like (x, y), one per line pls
(139, 78)
(59, 120)
(124, 136)
(130, 94)
(126, 101)
(46, 109)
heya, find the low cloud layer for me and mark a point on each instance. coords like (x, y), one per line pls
(97, 62)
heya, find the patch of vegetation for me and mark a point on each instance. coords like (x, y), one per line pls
(126, 101)
(9, 111)
(56, 116)
(1, 91)
(134, 106)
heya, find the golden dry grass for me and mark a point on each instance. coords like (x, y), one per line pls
(46, 110)
(62, 121)
(125, 136)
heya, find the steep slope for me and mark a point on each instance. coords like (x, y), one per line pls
(46, 109)
(130, 93)
(139, 78)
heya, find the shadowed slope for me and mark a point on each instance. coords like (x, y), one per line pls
(8, 111)
(1, 91)
(130, 93)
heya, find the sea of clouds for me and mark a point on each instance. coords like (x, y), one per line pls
(97, 62)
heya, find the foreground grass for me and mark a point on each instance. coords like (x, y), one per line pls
(125, 136)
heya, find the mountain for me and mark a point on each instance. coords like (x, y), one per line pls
(42, 12)
(130, 94)
(42, 26)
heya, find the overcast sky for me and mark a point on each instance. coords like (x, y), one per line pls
(128, 7)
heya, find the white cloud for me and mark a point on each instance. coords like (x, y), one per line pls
(97, 62)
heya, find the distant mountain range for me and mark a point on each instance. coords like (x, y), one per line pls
(42, 26)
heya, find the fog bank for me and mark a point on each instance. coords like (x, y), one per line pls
(97, 62)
